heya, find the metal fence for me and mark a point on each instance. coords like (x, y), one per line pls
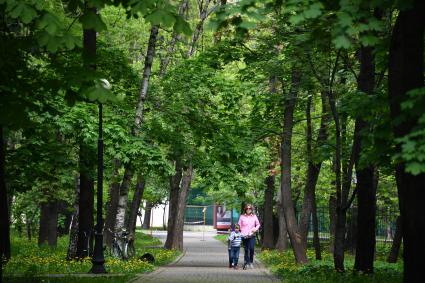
(194, 215)
(385, 222)
(385, 225)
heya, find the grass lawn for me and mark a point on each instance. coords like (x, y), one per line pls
(282, 264)
(222, 238)
(69, 279)
(30, 263)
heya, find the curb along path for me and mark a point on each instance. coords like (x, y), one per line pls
(205, 261)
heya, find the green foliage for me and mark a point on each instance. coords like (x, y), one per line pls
(413, 143)
(23, 11)
(302, 11)
(282, 264)
(182, 26)
(160, 12)
(91, 20)
(72, 279)
(221, 110)
(209, 120)
(51, 27)
(378, 145)
(355, 19)
(28, 260)
(242, 15)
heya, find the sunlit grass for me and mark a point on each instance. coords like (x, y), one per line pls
(283, 265)
(30, 261)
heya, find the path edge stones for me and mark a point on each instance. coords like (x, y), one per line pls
(158, 269)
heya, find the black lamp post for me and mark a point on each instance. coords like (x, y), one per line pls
(98, 256)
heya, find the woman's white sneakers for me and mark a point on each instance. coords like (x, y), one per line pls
(247, 265)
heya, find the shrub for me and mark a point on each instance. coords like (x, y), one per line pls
(283, 265)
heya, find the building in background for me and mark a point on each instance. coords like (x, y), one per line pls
(201, 214)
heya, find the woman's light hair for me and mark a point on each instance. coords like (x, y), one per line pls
(248, 206)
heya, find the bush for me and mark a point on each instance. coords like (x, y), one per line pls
(29, 260)
(283, 265)
(69, 279)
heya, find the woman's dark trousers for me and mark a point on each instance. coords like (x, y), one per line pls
(249, 249)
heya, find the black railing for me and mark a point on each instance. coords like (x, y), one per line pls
(385, 224)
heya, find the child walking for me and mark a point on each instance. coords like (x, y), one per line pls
(235, 239)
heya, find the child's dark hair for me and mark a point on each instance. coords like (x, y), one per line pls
(237, 226)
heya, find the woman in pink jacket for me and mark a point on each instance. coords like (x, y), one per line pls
(249, 224)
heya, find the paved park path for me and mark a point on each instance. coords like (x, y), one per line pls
(205, 260)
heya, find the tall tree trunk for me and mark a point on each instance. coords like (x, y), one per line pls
(313, 167)
(174, 241)
(351, 238)
(177, 239)
(73, 230)
(28, 223)
(148, 212)
(138, 121)
(282, 240)
(347, 165)
(406, 69)
(395, 248)
(73, 237)
(112, 205)
(173, 204)
(147, 70)
(269, 221)
(4, 207)
(203, 14)
(268, 241)
(316, 239)
(86, 201)
(332, 221)
(85, 214)
(86, 163)
(365, 187)
(339, 238)
(286, 158)
(340, 192)
(66, 211)
(312, 175)
(165, 61)
(123, 199)
(48, 231)
(184, 192)
(135, 205)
